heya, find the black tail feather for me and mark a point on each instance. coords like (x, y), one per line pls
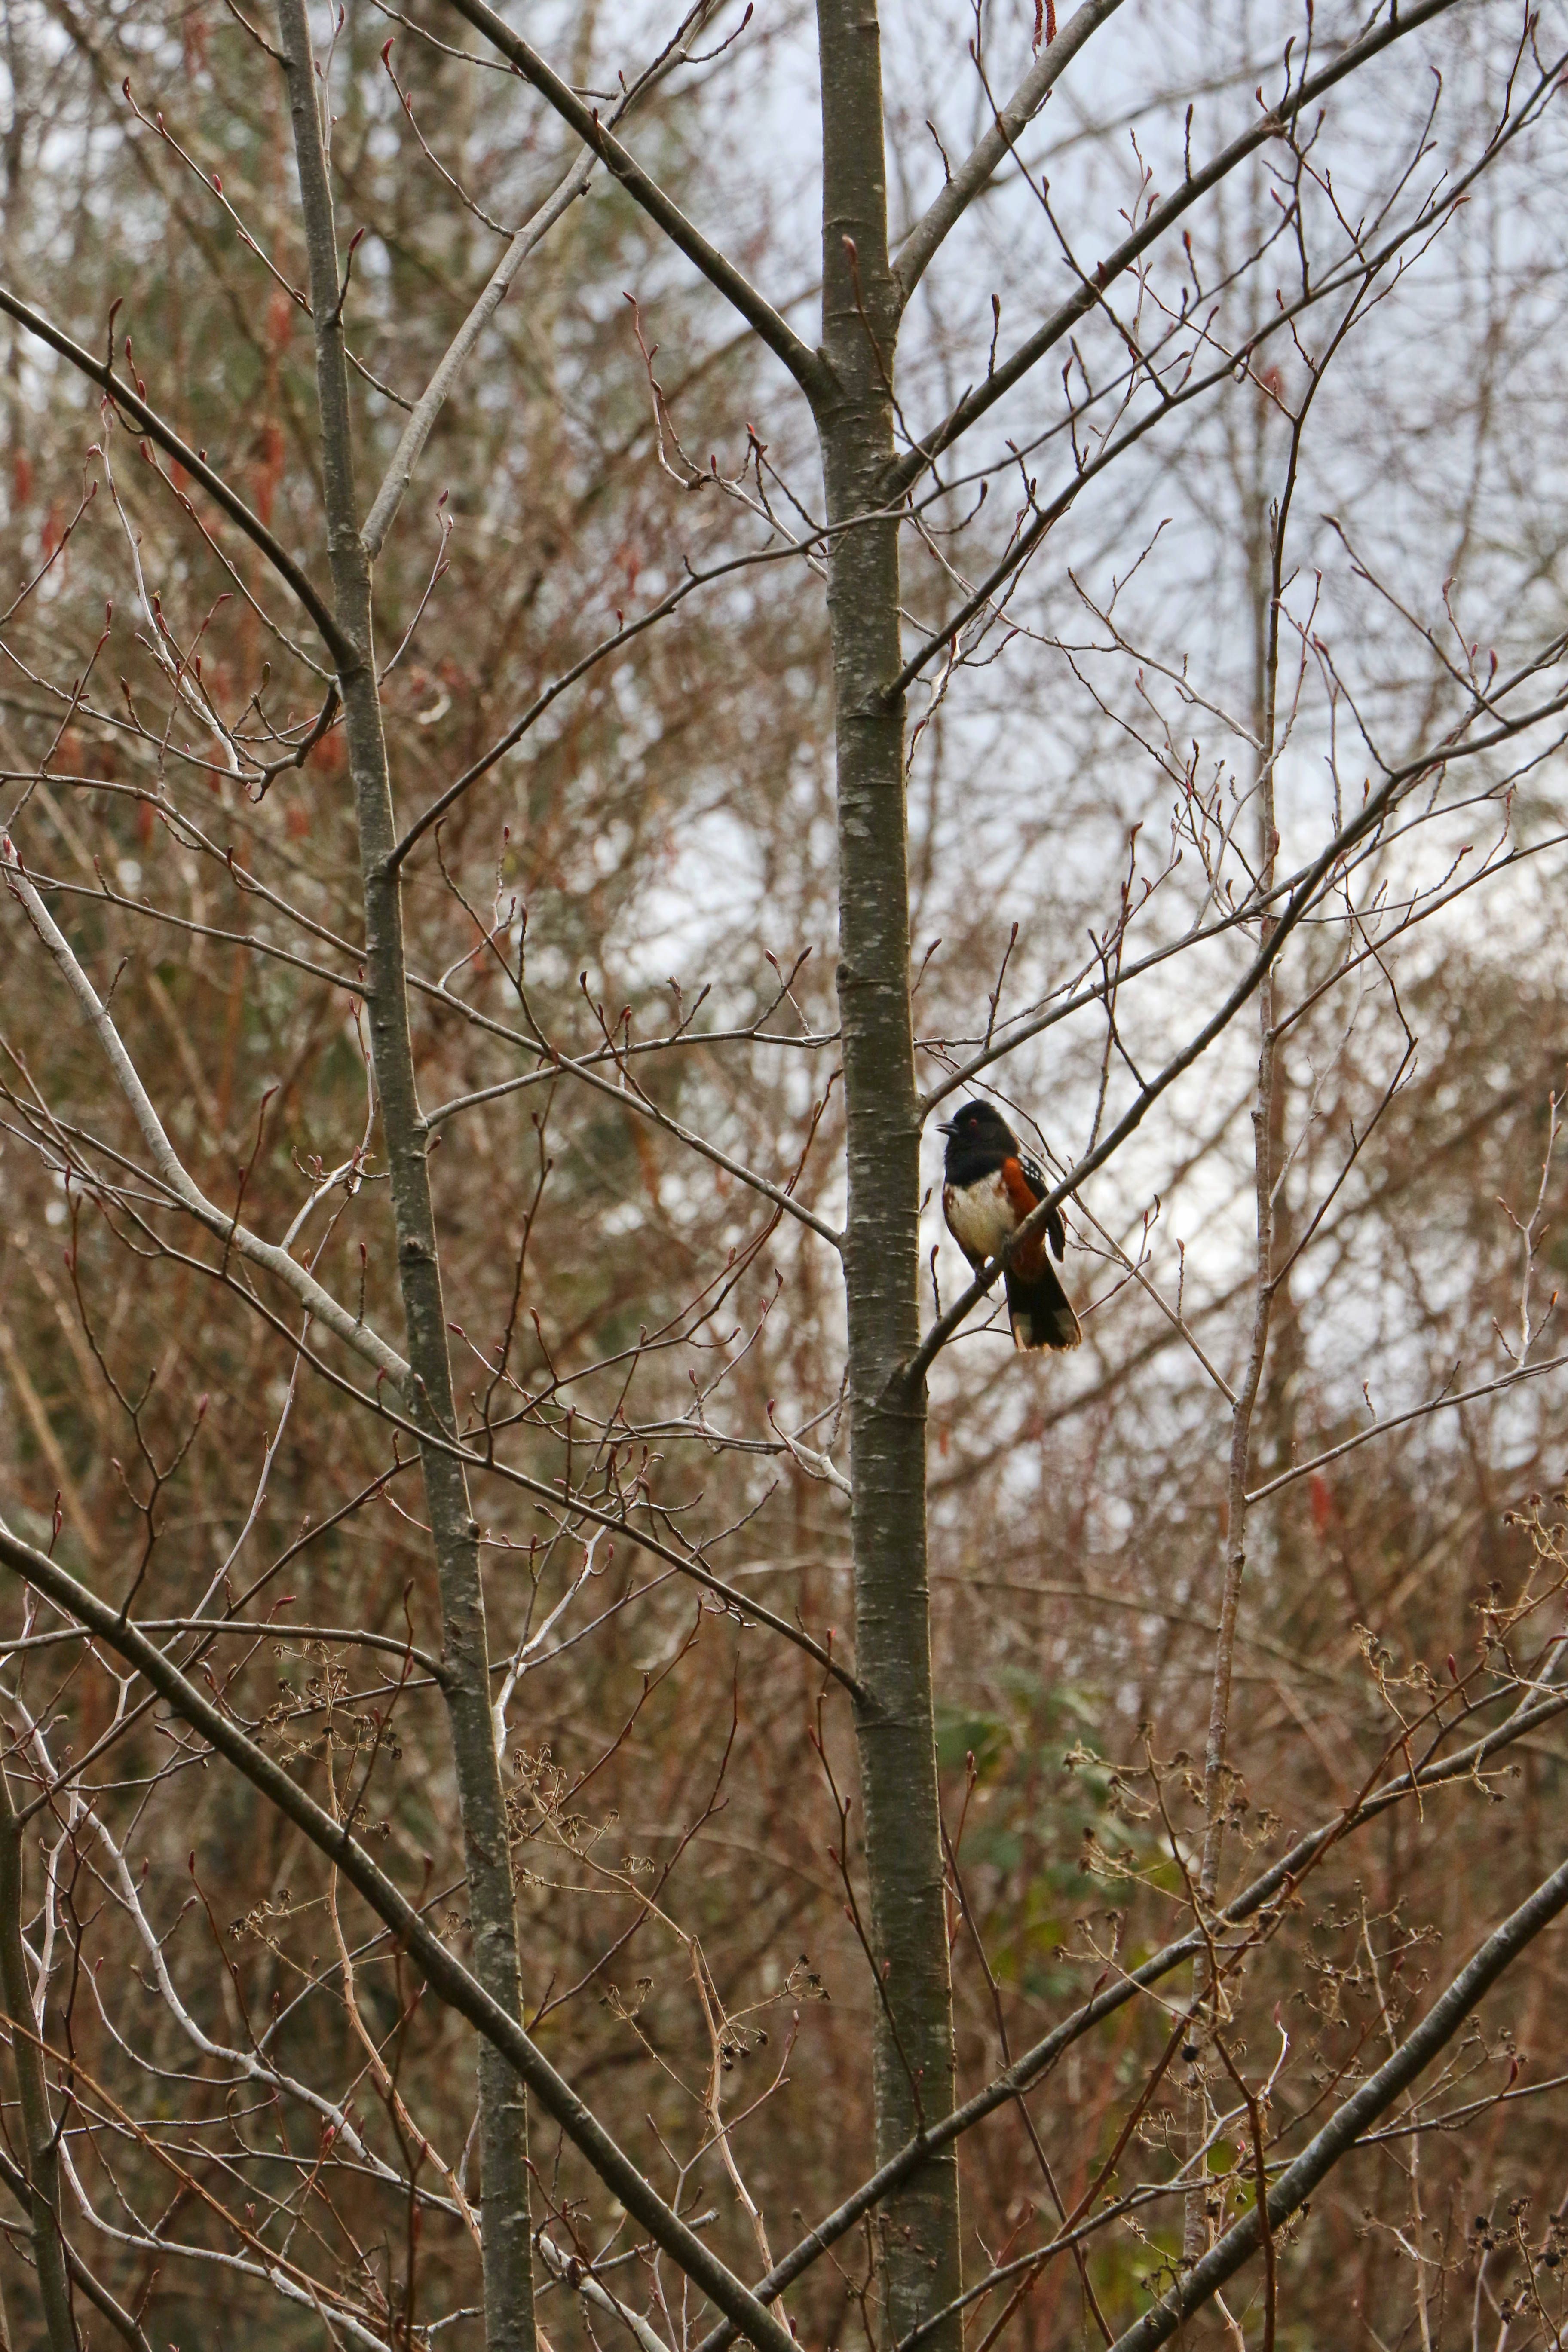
(1041, 1312)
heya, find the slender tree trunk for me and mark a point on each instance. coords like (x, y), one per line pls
(38, 2151)
(913, 2058)
(503, 2130)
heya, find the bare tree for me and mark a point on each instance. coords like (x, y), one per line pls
(386, 707)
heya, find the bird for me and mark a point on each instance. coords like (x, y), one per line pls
(989, 1186)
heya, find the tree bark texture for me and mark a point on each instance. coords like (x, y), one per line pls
(38, 2151)
(503, 2129)
(895, 1721)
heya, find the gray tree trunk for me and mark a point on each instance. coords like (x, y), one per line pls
(503, 2128)
(895, 1723)
(37, 2150)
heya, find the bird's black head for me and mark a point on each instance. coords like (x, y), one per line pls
(978, 1140)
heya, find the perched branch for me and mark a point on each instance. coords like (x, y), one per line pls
(1371, 814)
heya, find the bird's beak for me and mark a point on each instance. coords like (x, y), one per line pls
(945, 1126)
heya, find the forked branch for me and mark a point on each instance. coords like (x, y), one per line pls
(445, 1973)
(808, 370)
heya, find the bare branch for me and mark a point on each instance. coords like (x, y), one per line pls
(446, 1975)
(1504, 1381)
(1348, 2123)
(1370, 814)
(921, 246)
(984, 396)
(124, 398)
(809, 371)
(352, 1330)
(1277, 1882)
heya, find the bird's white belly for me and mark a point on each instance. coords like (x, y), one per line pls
(980, 1216)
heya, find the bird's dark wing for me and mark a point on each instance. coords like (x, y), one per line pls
(1055, 1227)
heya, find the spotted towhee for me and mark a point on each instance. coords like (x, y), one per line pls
(989, 1187)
